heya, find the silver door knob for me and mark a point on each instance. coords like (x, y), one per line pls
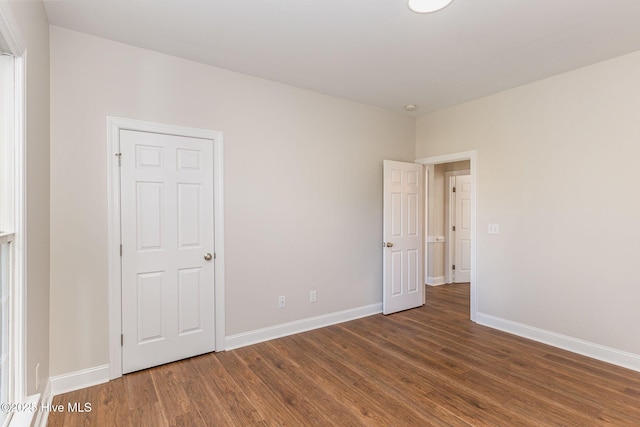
(389, 244)
(208, 257)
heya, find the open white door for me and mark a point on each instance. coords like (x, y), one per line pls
(167, 247)
(462, 269)
(403, 286)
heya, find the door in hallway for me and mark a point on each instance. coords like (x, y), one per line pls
(462, 261)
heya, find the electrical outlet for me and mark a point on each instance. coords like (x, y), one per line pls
(494, 229)
(282, 301)
(313, 296)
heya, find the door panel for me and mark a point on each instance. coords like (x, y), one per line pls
(188, 215)
(149, 215)
(402, 231)
(167, 227)
(396, 272)
(150, 308)
(189, 284)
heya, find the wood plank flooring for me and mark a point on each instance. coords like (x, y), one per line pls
(424, 367)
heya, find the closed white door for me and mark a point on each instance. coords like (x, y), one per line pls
(403, 287)
(167, 236)
(462, 262)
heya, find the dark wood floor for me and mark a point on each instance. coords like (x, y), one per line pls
(422, 367)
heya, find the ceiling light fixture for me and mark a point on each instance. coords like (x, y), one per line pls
(428, 6)
(410, 107)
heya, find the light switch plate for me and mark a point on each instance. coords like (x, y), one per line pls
(494, 229)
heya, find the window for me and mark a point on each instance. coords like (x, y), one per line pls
(11, 216)
(7, 233)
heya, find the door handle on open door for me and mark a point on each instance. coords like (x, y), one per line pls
(208, 257)
(389, 245)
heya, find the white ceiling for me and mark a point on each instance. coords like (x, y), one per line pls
(374, 52)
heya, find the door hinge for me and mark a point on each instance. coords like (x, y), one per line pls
(452, 228)
(121, 339)
(119, 156)
(214, 255)
(453, 267)
(120, 250)
(454, 189)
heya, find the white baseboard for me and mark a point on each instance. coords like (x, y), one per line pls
(25, 418)
(436, 281)
(37, 418)
(278, 331)
(42, 416)
(574, 345)
(80, 379)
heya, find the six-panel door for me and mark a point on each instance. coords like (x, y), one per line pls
(403, 190)
(462, 272)
(167, 230)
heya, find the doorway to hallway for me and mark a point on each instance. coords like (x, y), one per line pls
(450, 221)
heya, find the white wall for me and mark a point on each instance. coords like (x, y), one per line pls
(34, 30)
(557, 169)
(303, 180)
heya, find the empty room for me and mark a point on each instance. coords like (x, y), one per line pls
(400, 212)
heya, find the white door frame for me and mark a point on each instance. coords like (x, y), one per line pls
(472, 156)
(114, 126)
(449, 248)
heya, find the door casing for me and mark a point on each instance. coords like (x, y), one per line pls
(114, 126)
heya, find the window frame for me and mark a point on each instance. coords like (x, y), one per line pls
(13, 44)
